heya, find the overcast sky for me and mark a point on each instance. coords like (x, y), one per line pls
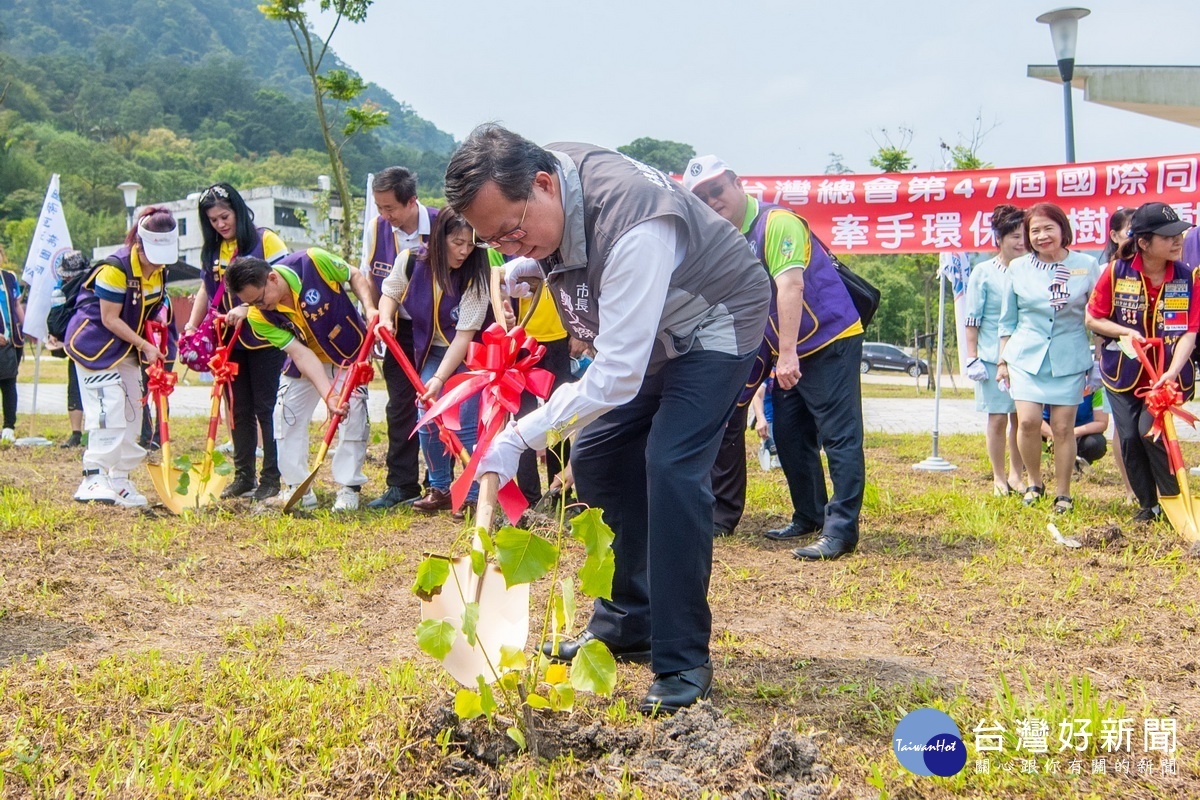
(776, 86)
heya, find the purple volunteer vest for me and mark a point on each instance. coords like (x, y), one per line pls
(213, 276)
(89, 343)
(336, 325)
(819, 325)
(1191, 248)
(418, 301)
(1121, 374)
(384, 254)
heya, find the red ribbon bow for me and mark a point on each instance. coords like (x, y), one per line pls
(499, 369)
(160, 382)
(1161, 400)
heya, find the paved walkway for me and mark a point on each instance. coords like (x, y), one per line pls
(880, 414)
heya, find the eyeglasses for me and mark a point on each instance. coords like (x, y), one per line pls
(262, 298)
(716, 191)
(514, 235)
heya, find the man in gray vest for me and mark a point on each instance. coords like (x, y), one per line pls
(674, 303)
(815, 329)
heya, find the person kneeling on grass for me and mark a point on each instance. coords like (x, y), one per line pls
(301, 306)
(1091, 423)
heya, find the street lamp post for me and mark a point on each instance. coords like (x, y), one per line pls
(1064, 32)
(130, 190)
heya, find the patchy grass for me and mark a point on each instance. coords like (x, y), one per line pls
(237, 654)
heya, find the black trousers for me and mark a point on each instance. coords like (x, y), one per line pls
(647, 464)
(1146, 461)
(8, 391)
(255, 388)
(74, 398)
(824, 412)
(557, 361)
(1092, 447)
(404, 449)
(729, 472)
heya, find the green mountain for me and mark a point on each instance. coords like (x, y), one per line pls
(112, 46)
(173, 94)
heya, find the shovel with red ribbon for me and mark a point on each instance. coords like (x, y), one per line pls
(358, 373)
(1165, 403)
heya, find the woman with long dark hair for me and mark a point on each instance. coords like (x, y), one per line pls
(227, 225)
(446, 294)
(105, 338)
(1118, 232)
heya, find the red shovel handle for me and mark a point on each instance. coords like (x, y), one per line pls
(358, 373)
(406, 366)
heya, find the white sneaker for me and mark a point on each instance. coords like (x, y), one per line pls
(7, 435)
(347, 500)
(95, 489)
(126, 493)
(226, 448)
(308, 501)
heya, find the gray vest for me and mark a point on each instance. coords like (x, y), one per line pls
(718, 295)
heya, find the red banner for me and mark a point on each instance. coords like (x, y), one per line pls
(931, 212)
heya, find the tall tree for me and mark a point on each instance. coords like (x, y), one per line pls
(893, 156)
(338, 86)
(670, 157)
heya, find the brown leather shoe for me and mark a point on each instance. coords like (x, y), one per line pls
(434, 501)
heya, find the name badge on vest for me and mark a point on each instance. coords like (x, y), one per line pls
(381, 269)
(1174, 305)
(1127, 293)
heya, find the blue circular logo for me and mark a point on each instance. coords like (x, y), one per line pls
(927, 742)
(312, 297)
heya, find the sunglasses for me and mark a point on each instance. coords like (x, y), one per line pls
(714, 192)
(514, 235)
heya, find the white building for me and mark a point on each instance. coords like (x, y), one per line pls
(291, 213)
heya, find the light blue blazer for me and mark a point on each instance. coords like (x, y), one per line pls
(1037, 332)
(985, 295)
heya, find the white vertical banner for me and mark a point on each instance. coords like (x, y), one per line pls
(956, 267)
(370, 212)
(51, 242)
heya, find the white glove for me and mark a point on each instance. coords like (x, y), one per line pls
(503, 454)
(977, 370)
(519, 273)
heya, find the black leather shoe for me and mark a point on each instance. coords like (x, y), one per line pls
(394, 496)
(567, 648)
(672, 691)
(792, 531)
(241, 487)
(74, 440)
(825, 548)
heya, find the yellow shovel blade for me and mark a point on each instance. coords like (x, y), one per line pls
(1181, 517)
(503, 620)
(166, 478)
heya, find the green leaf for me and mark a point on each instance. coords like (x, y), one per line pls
(596, 575)
(436, 637)
(470, 619)
(486, 698)
(478, 562)
(537, 701)
(523, 556)
(562, 697)
(185, 481)
(568, 602)
(512, 657)
(182, 462)
(515, 734)
(485, 539)
(594, 669)
(467, 704)
(590, 528)
(432, 574)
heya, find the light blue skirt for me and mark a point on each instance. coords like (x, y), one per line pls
(989, 398)
(1044, 388)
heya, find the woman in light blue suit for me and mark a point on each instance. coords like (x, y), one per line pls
(985, 293)
(1044, 351)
